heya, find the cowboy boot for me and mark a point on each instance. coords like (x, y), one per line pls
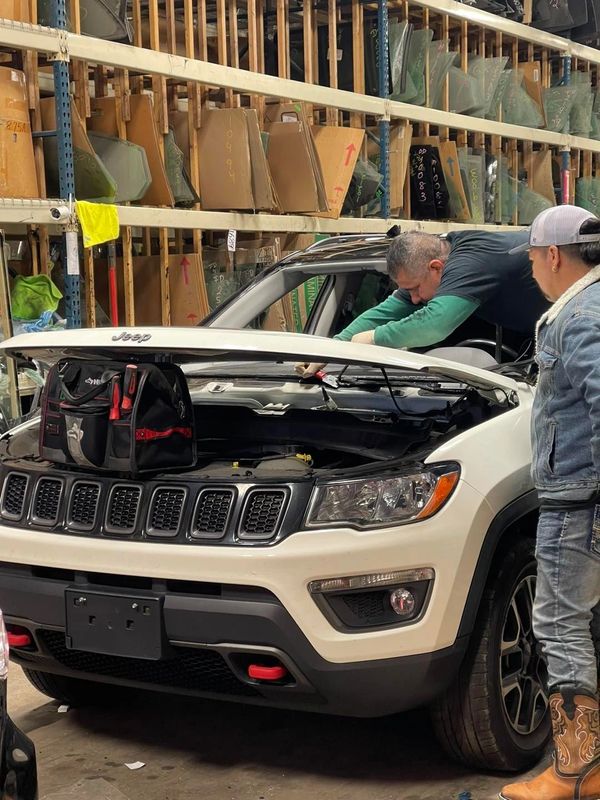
(575, 771)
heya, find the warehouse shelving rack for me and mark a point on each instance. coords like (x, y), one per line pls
(62, 46)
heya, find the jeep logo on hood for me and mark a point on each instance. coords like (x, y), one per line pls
(132, 337)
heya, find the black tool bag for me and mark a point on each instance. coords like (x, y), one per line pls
(113, 416)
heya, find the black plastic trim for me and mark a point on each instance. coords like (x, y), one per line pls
(238, 621)
(6, 514)
(519, 508)
(41, 520)
(77, 526)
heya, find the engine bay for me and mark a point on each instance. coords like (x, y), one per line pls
(279, 425)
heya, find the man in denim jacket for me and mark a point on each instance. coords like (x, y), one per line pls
(564, 249)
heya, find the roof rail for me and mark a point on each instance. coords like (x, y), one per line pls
(332, 241)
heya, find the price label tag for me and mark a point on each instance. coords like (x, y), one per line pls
(72, 253)
(231, 241)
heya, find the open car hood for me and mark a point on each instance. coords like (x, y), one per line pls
(203, 345)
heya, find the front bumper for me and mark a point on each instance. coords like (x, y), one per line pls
(18, 772)
(212, 639)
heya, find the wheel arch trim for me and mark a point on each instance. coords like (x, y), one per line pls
(501, 524)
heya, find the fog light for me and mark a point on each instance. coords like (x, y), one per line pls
(403, 602)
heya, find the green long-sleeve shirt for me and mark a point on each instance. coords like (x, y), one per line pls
(398, 323)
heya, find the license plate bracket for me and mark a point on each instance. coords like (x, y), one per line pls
(126, 625)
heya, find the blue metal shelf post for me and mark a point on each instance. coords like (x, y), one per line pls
(66, 172)
(384, 91)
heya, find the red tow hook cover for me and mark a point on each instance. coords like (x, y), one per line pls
(260, 673)
(18, 639)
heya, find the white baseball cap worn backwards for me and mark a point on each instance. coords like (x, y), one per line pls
(559, 225)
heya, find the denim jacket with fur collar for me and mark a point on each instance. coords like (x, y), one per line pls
(565, 421)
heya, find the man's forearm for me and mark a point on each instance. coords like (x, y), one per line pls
(428, 325)
(389, 310)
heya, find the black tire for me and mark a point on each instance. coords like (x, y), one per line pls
(70, 691)
(474, 720)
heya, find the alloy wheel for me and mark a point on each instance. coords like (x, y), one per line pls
(523, 674)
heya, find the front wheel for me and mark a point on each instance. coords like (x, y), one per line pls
(495, 714)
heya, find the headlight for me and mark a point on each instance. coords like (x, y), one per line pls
(377, 502)
(3, 650)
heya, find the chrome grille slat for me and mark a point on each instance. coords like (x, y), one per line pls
(13, 496)
(83, 505)
(212, 513)
(123, 508)
(46, 501)
(262, 513)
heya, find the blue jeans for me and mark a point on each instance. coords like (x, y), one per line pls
(566, 614)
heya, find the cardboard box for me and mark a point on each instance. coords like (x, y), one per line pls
(338, 150)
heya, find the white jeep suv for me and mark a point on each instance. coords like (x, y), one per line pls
(357, 543)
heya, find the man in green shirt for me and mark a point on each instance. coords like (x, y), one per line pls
(442, 282)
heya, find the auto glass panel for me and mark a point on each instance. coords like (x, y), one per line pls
(291, 312)
(366, 291)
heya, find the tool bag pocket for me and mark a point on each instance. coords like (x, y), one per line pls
(121, 417)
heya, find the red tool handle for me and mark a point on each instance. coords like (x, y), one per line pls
(115, 400)
(130, 385)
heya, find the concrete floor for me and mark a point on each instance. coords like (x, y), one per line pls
(203, 750)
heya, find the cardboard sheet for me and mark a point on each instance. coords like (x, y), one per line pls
(288, 149)
(104, 116)
(185, 276)
(141, 130)
(184, 289)
(450, 166)
(93, 181)
(18, 177)
(449, 161)
(400, 142)
(540, 174)
(262, 184)
(532, 83)
(225, 169)
(338, 150)
(19, 10)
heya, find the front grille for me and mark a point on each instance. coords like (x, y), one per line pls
(13, 495)
(262, 513)
(212, 513)
(83, 506)
(166, 509)
(192, 669)
(46, 502)
(123, 507)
